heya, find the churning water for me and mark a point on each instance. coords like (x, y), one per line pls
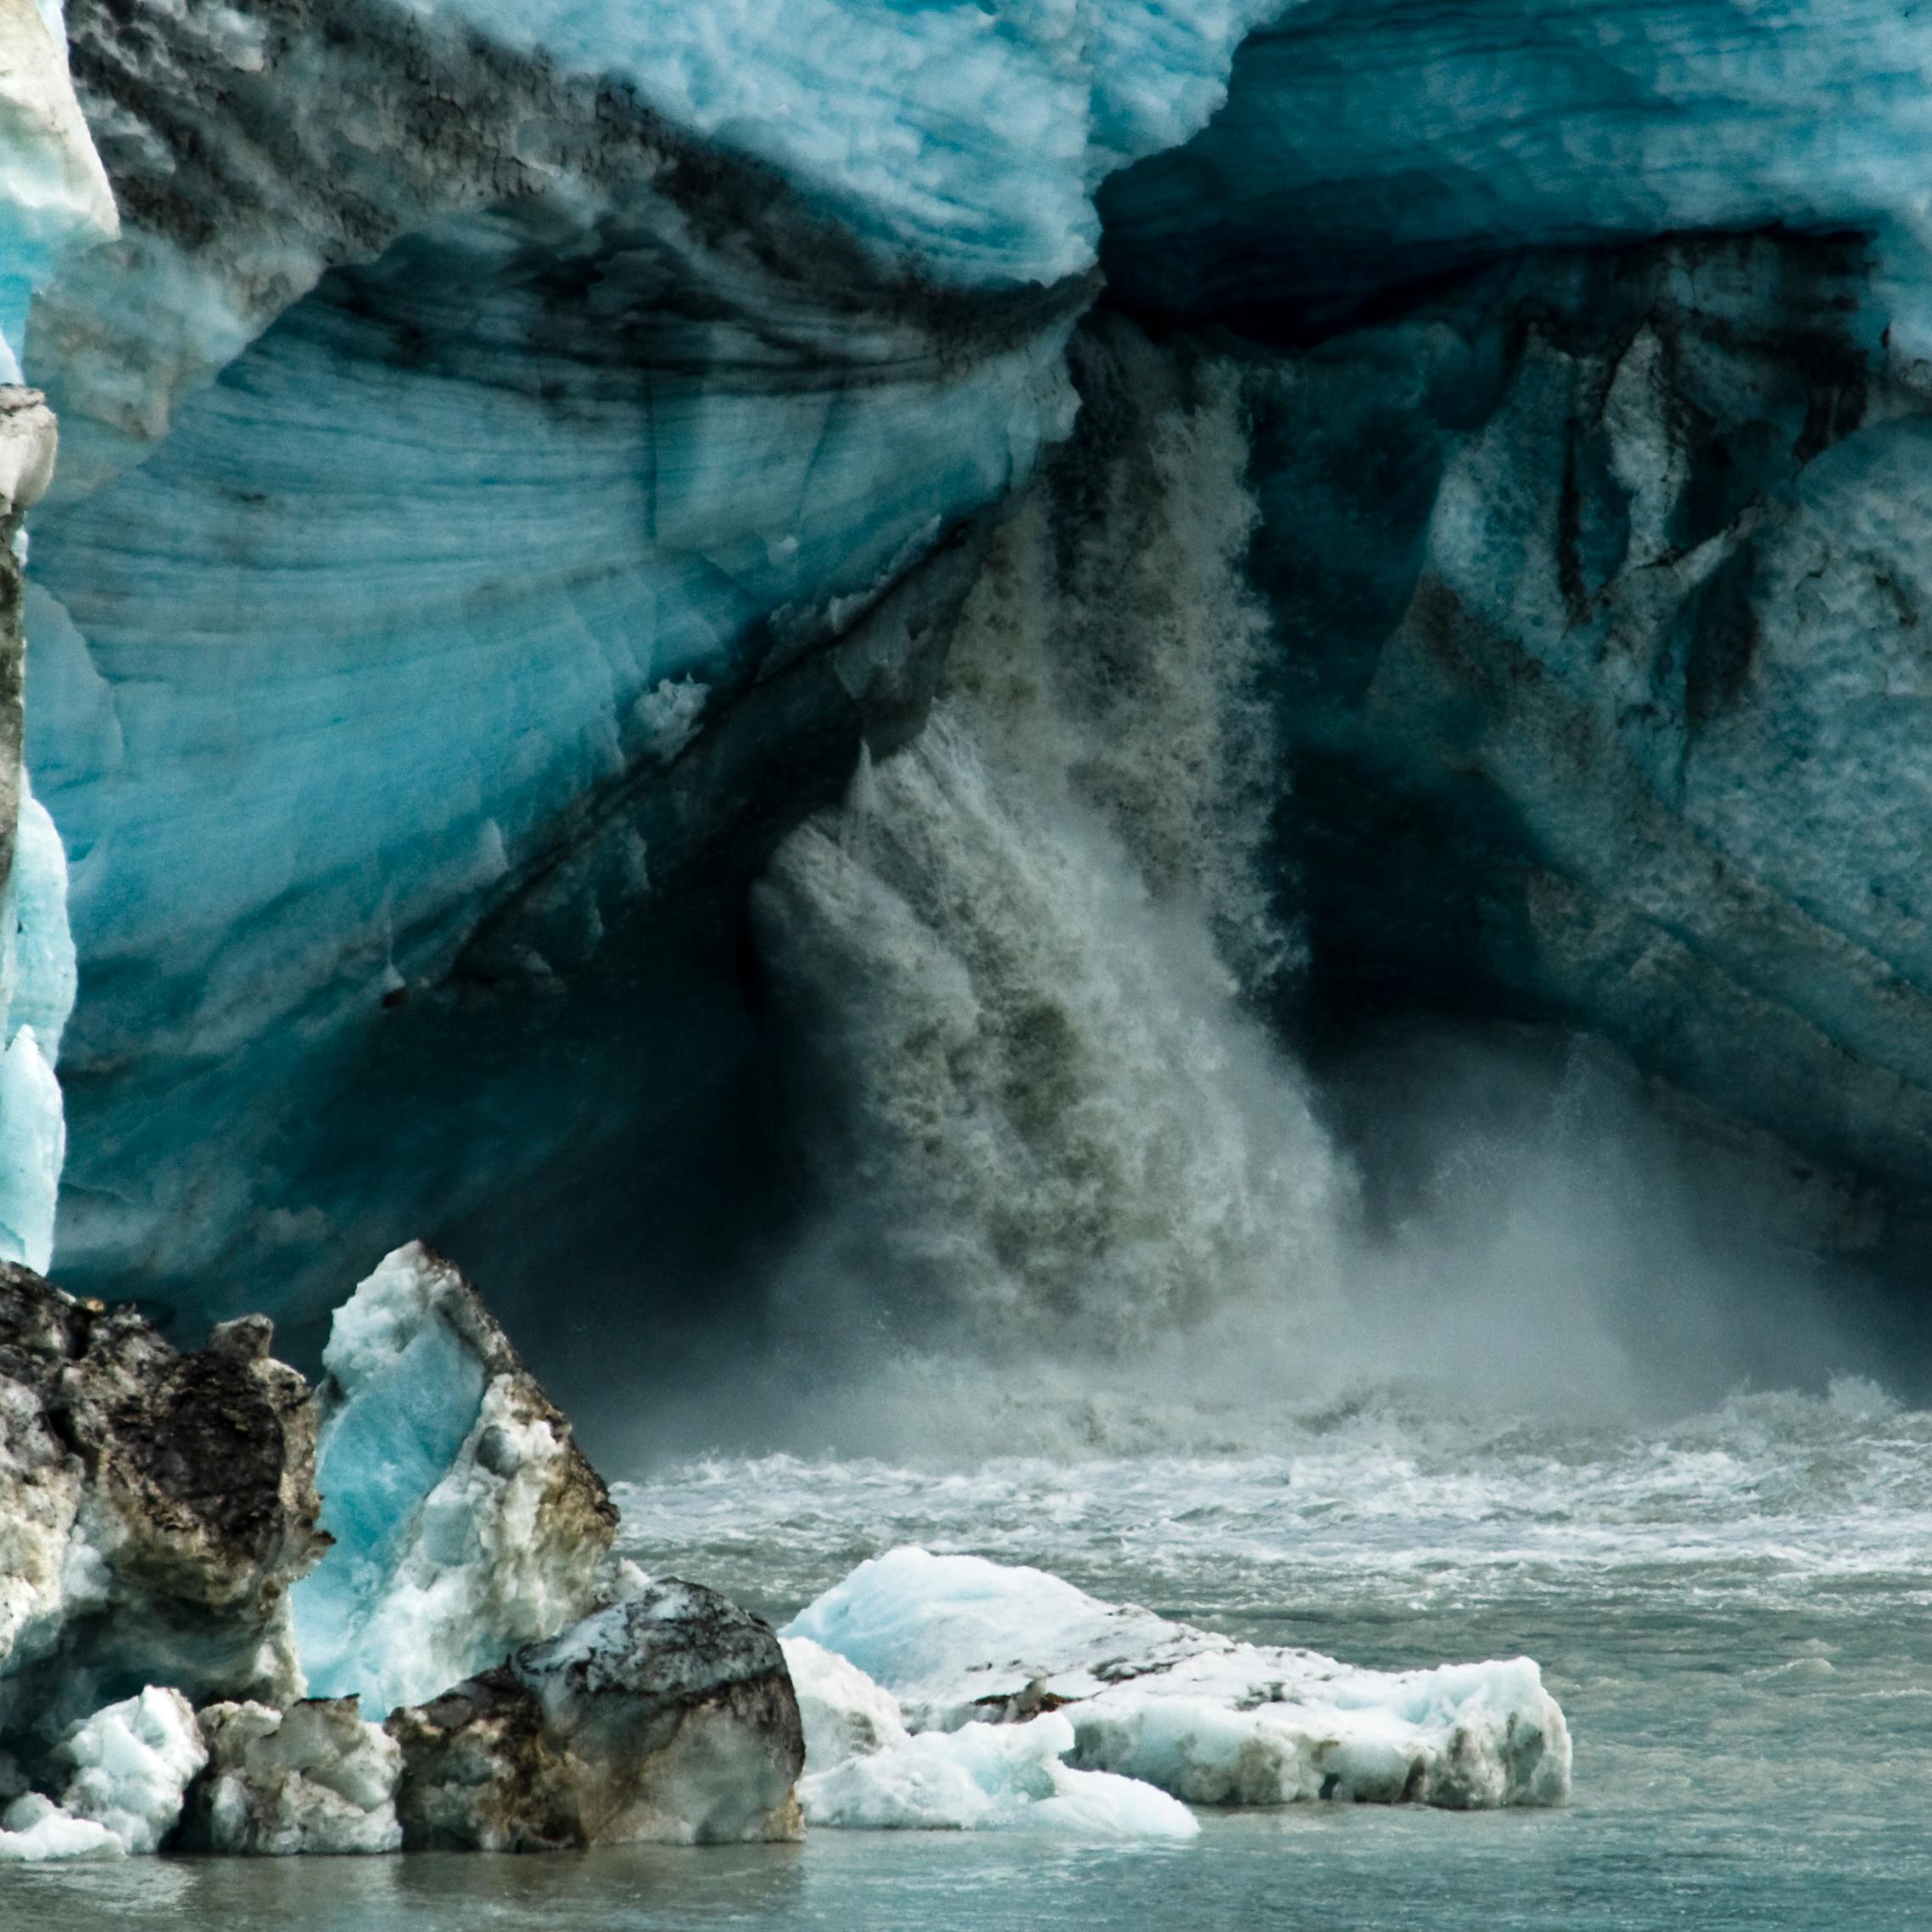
(1736, 1612)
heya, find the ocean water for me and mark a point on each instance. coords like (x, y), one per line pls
(1735, 1609)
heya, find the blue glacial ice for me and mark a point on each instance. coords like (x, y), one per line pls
(969, 137)
(36, 995)
(53, 193)
(489, 414)
(337, 651)
(53, 197)
(1364, 146)
(465, 1521)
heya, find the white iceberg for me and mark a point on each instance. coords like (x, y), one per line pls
(957, 1638)
(317, 1777)
(997, 1777)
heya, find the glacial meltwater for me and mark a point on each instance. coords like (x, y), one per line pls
(1734, 1610)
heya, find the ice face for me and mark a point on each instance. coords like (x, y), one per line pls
(341, 658)
(36, 995)
(53, 191)
(972, 136)
(957, 1638)
(1366, 147)
(53, 196)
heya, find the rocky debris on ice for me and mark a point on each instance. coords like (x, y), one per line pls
(959, 1640)
(317, 1777)
(128, 1769)
(466, 1519)
(154, 1509)
(669, 1717)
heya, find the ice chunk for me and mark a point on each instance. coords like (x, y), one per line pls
(33, 1145)
(155, 1508)
(1210, 1720)
(863, 1769)
(36, 1828)
(132, 1766)
(318, 1777)
(844, 1713)
(990, 1777)
(466, 1519)
(36, 995)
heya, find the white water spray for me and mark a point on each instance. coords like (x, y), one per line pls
(1055, 1123)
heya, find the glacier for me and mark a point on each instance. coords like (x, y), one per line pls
(54, 199)
(515, 461)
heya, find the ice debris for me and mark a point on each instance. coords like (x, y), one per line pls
(959, 1640)
(130, 1768)
(318, 1777)
(466, 1519)
(863, 1768)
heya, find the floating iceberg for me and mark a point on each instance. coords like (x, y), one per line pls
(958, 1639)
(987, 1777)
(668, 1718)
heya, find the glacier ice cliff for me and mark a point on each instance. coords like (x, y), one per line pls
(415, 506)
(53, 197)
(518, 462)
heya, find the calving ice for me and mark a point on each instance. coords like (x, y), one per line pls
(1123, 803)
